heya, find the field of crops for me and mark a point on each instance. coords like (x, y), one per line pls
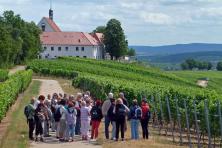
(149, 81)
(10, 89)
(3, 75)
(170, 95)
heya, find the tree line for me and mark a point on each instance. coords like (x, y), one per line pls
(115, 40)
(19, 40)
(191, 64)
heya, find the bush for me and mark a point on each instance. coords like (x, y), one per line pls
(10, 89)
(219, 66)
(3, 75)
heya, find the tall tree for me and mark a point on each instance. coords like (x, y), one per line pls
(114, 39)
(131, 52)
(19, 40)
(100, 29)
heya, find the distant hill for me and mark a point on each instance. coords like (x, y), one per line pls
(171, 56)
(176, 49)
(213, 56)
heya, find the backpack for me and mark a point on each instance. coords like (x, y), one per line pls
(94, 113)
(138, 113)
(26, 111)
(121, 112)
(110, 113)
(147, 115)
(57, 115)
(70, 115)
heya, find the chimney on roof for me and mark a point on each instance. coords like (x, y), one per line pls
(51, 11)
(51, 14)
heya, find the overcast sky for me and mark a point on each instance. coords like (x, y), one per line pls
(145, 22)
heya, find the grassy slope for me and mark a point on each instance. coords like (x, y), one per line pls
(17, 133)
(215, 78)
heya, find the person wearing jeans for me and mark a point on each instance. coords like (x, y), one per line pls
(134, 116)
(71, 121)
(107, 123)
(105, 107)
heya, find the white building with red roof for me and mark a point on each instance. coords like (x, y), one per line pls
(56, 43)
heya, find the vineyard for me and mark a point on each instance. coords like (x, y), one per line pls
(10, 88)
(178, 106)
(215, 78)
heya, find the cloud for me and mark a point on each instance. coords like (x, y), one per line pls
(156, 18)
(141, 19)
(212, 12)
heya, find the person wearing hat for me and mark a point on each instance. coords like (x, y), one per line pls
(105, 107)
(96, 117)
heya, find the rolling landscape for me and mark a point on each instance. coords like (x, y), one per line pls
(111, 74)
(172, 56)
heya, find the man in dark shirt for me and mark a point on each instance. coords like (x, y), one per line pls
(125, 102)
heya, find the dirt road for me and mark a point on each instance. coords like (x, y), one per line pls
(15, 69)
(50, 87)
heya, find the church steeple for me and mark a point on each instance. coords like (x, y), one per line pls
(51, 11)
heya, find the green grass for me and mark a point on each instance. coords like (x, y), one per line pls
(215, 78)
(17, 133)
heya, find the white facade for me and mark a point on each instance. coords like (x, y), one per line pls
(54, 51)
(45, 23)
(56, 43)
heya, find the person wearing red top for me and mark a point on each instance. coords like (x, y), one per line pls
(145, 118)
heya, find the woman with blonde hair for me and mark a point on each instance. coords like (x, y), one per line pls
(85, 120)
(120, 110)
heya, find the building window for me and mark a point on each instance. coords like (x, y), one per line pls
(43, 27)
(84, 56)
(45, 48)
(67, 48)
(77, 48)
(52, 48)
(59, 48)
(82, 48)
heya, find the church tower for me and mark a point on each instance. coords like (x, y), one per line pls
(51, 11)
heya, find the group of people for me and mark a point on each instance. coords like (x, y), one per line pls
(68, 116)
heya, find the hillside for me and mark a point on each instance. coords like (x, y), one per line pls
(110, 75)
(215, 78)
(171, 56)
(212, 56)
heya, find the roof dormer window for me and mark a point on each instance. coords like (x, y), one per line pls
(43, 26)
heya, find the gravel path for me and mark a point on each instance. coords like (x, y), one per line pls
(15, 69)
(49, 87)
